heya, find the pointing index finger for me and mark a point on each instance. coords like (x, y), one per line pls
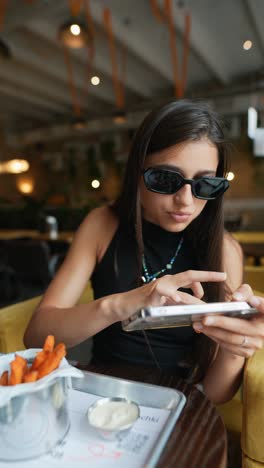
(192, 276)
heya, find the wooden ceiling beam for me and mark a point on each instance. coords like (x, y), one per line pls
(138, 76)
(48, 57)
(252, 20)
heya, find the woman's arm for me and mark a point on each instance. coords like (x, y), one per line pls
(238, 339)
(225, 374)
(58, 313)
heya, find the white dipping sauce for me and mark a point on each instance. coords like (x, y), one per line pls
(113, 415)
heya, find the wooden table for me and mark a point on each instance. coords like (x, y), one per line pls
(199, 437)
(7, 234)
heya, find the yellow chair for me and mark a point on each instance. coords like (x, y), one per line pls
(14, 320)
(231, 411)
(242, 417)
(252, 436)
(244, 414)
(254, 275)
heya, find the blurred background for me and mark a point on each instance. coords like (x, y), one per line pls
(76, 79)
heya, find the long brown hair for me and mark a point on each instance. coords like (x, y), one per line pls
(173, 123)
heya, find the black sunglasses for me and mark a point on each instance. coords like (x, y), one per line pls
(167, 182)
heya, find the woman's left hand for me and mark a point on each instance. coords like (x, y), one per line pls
(238, 336)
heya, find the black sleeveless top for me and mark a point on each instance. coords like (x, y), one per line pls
(117, 272)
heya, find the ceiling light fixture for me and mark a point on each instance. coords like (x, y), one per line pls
(95, 80)
(247, 45)
(230, 176)
(79, 123)
(75, 29)
(95, 183)
(119, 116)
(74, 34)
(14, 166)
(25, 186)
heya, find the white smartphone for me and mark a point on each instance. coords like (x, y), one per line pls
(185, 315)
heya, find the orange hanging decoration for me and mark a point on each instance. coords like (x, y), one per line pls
(90, 47)
(89, 19)
(173, 48)
(75, 6)
(123, 67)
(186, 49)
(156, 11)
(3, 8)
(73, 90)
(118, 87)
(179, 76)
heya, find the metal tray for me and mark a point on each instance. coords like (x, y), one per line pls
(153, 396)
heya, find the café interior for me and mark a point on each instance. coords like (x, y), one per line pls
(77, 77)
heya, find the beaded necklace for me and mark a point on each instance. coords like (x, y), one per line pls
(147, 277)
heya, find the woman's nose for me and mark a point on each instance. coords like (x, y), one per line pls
(184, 195)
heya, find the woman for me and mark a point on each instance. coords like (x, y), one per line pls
(167, 226)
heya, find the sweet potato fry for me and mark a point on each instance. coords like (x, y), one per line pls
(30, 376)
(49, 343)
(45, 361)
(17, 371)
(61, 349)
(4, 378)
(52, 361)
(23, 362)
(39, 359)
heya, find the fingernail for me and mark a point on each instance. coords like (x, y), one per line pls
(198, 326)
(177, 298)
(238, 296)
(254, 301)
(209, 321)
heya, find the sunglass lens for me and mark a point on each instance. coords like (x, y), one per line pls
(210, 187)
(162, 181)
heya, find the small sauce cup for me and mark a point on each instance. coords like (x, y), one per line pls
(112, 417)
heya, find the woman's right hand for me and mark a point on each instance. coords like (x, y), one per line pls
(165, 291)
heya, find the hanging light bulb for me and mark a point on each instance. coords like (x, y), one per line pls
(14, 166)
(95, 80)
(247, 45)
(119, 116)
(79, 123)
(230, 175)
(25, 186)
(95, 183)
(74, 34)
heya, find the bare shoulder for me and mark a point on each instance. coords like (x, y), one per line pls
(97, 229)
(102, 217)
(233, 261)
(232, 247)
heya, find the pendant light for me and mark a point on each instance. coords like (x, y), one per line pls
(119, 116)
(74, 34)
(14, 166)
(8, 165)
(79, 123)
(118, 77)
